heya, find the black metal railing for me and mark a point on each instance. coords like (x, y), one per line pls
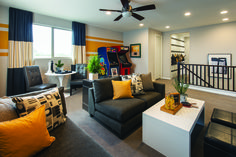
(212, 76)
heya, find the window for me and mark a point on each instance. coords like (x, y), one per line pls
(49, 42)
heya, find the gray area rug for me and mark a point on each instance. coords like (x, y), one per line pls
(132, 145)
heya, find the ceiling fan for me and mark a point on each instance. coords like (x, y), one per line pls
(128, 11)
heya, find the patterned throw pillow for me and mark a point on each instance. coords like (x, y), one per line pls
(53, 107)
(136, 84)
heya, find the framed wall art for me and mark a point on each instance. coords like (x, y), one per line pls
(135, 50)
(221, 60)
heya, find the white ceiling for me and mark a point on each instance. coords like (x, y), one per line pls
(167, 12)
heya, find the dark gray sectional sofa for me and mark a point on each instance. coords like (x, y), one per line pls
(70, 139)
(121, 116)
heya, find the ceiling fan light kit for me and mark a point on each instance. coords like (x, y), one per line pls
(127, 10)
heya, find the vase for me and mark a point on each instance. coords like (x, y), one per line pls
(59, 69)
(93, 76)
(183, 98)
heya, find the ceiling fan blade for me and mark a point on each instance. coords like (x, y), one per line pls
(137, 16)
(118, 18)
(125, 3)
(146, 7)
(110, 10)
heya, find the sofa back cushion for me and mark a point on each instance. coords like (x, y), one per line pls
(147, 82)
(103, 88)
(7, 109)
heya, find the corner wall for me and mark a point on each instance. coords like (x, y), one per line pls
(218, 38)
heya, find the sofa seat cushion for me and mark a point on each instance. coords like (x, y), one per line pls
(120, 109)
(221, 136)
(76, 82)
(150, 98)
(72, 141)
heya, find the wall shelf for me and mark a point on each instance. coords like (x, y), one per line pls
(177, 45)
(177, 51)
(177, 39)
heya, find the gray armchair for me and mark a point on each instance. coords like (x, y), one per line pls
(33, 79)
(77, 78)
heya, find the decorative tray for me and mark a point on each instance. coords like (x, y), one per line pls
(171, 111)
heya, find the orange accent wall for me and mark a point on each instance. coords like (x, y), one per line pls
(3, 40)
(92, 46)
(105, 39)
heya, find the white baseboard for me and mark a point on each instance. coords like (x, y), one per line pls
(166, 78)
(215, 91)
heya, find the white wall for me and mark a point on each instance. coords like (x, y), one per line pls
(140, 65)
(154, 53)
(219, 38)
(3, 59)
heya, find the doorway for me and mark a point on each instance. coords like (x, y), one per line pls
(179, 44)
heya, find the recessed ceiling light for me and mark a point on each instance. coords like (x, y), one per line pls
(167, 27)
(141, 24)
(187, 14)
(108, 13)
(225, 19)
(224, 12)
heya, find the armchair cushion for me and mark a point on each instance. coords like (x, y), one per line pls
(41, 87)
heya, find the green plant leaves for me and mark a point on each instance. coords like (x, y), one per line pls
(59, 64)
(180, 86)
(94, 64)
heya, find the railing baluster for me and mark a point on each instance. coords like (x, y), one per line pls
(182, 72)
(185, 78)
(213, 76)
(209, 75)
(205, 75)
(233, 79)
(223, 78)
(192, 74)
(200, 74)
(196, 74)
(228, 77)
(189, 74)
(218, 77)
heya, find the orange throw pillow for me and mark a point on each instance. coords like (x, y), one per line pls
(25, 136)
(121, 89)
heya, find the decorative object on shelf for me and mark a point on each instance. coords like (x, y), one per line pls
(114, 72)
(135, 50)
(220, 61)
(94, 67)
(59, 65)
(172, 103)
(181, 87)
(49, 68)
(52, 69)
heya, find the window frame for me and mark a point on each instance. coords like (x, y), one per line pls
(52, 43)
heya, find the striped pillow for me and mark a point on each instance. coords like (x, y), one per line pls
(53, 107)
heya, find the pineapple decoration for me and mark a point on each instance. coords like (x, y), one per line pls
(170, 102)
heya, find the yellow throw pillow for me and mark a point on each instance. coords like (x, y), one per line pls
(25, 136)
(121, 89)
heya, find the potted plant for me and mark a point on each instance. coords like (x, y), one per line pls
(59, 65)
(181, 88)
(94, 67)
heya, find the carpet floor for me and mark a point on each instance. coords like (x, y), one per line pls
(132, 145)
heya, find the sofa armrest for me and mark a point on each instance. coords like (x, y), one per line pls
(91, 102)
(160, 88)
